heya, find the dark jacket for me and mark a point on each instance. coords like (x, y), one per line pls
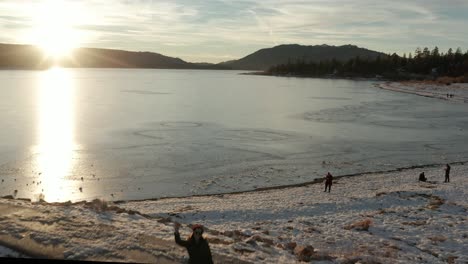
(199, 253)
(329, 179)
(422, 177)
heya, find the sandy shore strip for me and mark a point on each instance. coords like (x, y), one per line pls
(428, 89)
(385, 217)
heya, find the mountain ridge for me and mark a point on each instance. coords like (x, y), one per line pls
(21, 56)
(282, 54)
(31, 57)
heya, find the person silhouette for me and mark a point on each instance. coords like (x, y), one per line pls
(447, 173)
(422, 177)
(197, 247)
(328, 181)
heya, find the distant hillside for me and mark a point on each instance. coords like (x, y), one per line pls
(109, 58)
(30, 57)
(14, 56)
(21, 57)
(265, 58)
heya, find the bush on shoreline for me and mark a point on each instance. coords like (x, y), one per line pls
(449, 80)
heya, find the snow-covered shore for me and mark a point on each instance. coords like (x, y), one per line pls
(434, 90)
(382, 217)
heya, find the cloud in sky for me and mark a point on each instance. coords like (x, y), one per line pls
(219, 30)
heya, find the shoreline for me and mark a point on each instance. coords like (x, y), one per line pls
(260, 226)
(257, 73)
(431, 90)
(261, 189)
(287, 186)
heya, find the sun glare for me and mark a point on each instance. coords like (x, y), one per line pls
(56, 137)
(54, 30)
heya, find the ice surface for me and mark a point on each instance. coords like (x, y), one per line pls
(139, 134)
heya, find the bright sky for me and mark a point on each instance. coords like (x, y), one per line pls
(220, 30)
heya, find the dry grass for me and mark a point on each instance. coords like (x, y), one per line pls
(390, 252)
(448, 80)
(103, 206)
(415, 223)
(435, 202)
(451, 259)
(312, 230)
(430, 252)
(359, 255)
(97, 205)
(436, 239)
(381, 211)
(215, 240)
(443, 80)
(362, 225)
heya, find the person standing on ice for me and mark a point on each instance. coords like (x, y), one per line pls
(447, 173)
(422, 177)
(328, 181)
(197, 247)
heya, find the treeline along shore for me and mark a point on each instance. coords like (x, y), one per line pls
(424, 65)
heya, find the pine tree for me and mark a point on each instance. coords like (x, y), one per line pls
(450, 52)
(417, 53)
(426, 52)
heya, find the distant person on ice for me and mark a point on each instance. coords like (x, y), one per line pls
(422, 177)
(447, 173)
(328, 182)
(197, 247)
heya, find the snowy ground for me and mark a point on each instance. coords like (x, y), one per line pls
(440, 91)
(372, 218)
(8, 252)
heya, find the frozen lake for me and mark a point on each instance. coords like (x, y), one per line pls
(120, 134)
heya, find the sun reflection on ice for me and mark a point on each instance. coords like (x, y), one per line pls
(56, 134)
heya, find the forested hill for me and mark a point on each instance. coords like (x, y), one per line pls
(265, 58)
(425, 64)
(13, 56)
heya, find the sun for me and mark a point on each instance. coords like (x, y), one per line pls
(54, 28)
(57, 44)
